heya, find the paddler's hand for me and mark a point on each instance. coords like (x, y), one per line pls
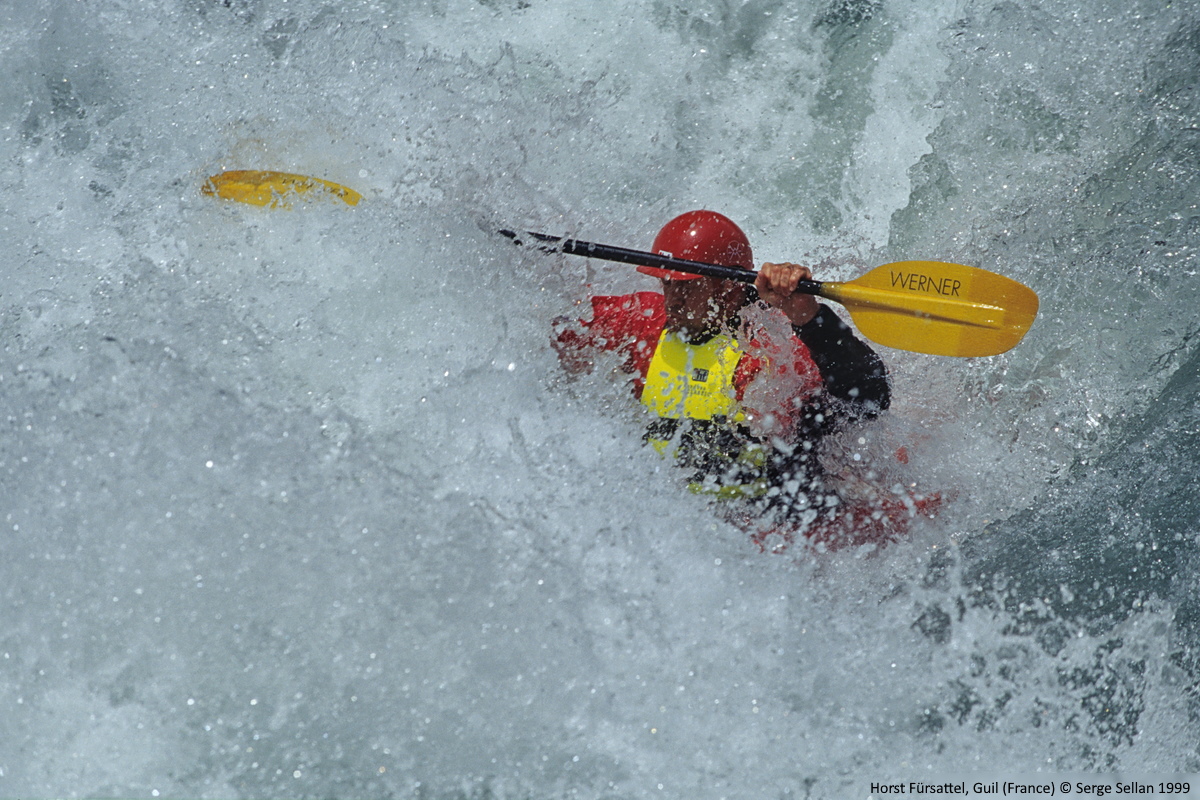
(777, 282)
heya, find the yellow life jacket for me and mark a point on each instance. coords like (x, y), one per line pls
(695, 382)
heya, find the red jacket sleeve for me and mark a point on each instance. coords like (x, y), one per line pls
(629, 324)
(789, 378)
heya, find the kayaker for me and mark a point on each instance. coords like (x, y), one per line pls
(741, 409)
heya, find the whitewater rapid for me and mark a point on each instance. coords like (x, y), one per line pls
(300, 504)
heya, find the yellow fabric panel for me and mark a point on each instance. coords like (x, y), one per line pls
(693, 381)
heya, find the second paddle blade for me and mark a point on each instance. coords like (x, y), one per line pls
(274, 189)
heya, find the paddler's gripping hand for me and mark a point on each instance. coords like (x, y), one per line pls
(777, 282)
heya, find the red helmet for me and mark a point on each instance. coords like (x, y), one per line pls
(701, 236)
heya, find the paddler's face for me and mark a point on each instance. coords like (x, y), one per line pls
(701, 306)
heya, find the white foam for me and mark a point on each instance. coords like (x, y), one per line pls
(297, 502)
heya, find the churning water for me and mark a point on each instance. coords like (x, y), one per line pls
(299, 504)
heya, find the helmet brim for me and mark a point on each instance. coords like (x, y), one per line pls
(667, 274)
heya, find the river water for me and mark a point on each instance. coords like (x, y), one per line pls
(298, 503)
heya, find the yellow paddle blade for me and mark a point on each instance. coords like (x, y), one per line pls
(938, 308)
(274, 189)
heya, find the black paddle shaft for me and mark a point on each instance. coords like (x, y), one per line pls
(605, 252)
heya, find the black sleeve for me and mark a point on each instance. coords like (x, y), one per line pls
(853, 373)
